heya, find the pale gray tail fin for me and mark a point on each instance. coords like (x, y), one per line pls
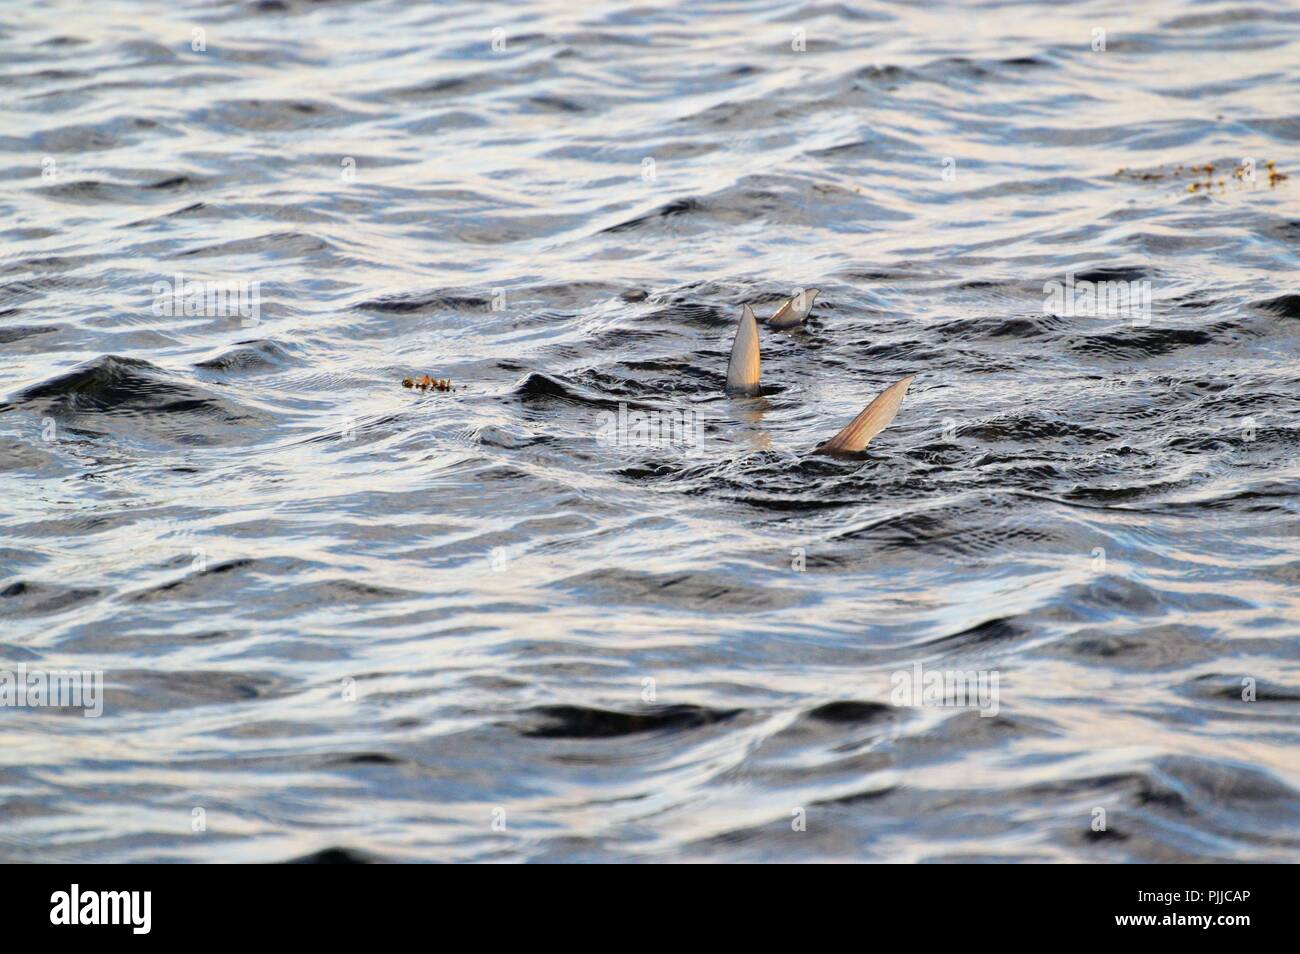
(795, 310)
(742, 370)
(874, 418)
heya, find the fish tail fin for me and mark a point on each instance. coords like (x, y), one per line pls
(875, 417)
(795, 310)
(743, 368)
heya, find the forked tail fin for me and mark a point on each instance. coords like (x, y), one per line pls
(794, 310)
(874, 418)
(742, 370)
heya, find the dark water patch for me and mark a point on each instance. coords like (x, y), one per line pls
(556, 104)
(492, 436)
(1138, 343)
(745, 114)
(567, 295)
(1186, 785)
(887, 73)
(17, 454)
(425, 303)
(989, 632)
(697, 591)
(693, 314)
(794, 504)
(852, 712)
(1146, 648)
(1028, 326)
(650, 472)
(161, 691)
(964, 730)
(116, 392)
(1157, 794)
(898, 272)
(1243, 689)
(670, 210)
(468, 85)
(1034, 427)
(693, 293)
(623, 388)
(1117, 273)
(193, 209)
(22, 598)
(12, 333)
(223, 577)
(345, 592)
(332, 855)
(538, 388)
(274, 115)
(145, 52)
(859, 798)
(1287, 231)
(1287, 306)
(1231, 16)
(581, 722)
(250, 357)
(1195, 301)
(1028, 61)
(173, 183)
(98, 191)
(1110, 596)
(291, 244)
(876, 147)
(362, 758)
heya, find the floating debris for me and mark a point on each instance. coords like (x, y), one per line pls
(427, 383)
(1244, 173)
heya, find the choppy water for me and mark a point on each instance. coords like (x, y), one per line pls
(607, 649)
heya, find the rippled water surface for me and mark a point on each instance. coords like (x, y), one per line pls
(334, 613)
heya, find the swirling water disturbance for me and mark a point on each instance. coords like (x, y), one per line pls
(334, 613)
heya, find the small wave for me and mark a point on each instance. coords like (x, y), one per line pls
(131, 394)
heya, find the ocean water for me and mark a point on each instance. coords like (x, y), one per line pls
(338, 618)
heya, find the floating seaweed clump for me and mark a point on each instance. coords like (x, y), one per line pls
(1244, 173)
(427, 383)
